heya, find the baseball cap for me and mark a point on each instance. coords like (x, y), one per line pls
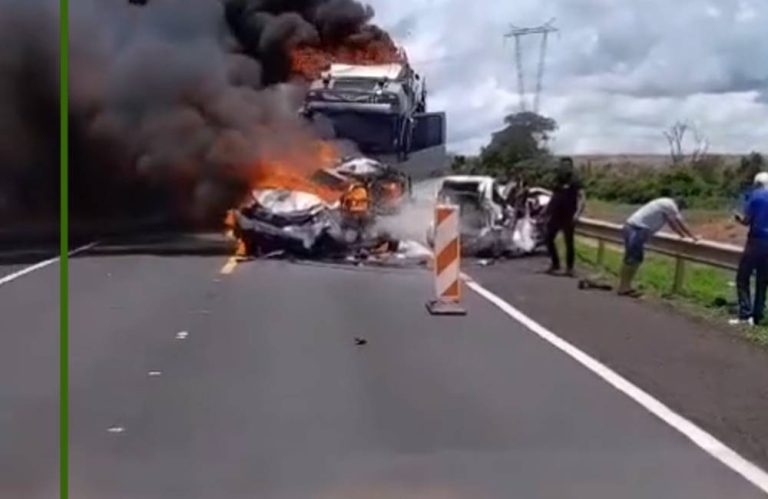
(762, 179)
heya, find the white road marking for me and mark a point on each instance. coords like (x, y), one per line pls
(38, 266)
(154, 374)
(708, 443)
(116, 429)
(182, 335)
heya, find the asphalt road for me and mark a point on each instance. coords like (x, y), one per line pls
(267, 395)
(703, 371)
(29, 403)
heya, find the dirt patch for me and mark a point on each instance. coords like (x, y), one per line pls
(724, 231)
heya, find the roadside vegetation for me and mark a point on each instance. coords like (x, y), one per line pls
(707, 293)
(519, 152)
(713, 186)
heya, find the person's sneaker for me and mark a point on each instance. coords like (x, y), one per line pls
(632, 293)
(741, 322)
(552, 271)
(569, 273)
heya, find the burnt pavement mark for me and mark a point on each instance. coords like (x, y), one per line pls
(710, 377)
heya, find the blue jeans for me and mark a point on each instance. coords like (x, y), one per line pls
(634, 244)
(754, 260)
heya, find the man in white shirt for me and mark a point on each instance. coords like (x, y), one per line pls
(640, 227)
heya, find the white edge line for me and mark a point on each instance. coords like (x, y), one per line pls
(45, 263)
(712, 446)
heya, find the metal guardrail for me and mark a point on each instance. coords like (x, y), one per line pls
(720, 255)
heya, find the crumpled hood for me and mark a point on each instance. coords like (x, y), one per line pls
(284, 202)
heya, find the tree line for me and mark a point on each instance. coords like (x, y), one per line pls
(519, 151)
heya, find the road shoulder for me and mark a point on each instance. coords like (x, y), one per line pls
(713, 379)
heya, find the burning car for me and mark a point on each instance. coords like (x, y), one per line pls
(326, 215)
(494, 220)
(389, 188)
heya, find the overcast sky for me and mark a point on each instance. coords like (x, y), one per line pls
(618, 73)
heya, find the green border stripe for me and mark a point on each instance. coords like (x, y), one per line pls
(64, 250)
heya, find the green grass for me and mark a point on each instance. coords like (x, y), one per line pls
(703, 287)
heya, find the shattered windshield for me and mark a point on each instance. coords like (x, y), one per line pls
(359, 84)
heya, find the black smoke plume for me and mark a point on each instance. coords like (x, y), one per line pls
(171, 101)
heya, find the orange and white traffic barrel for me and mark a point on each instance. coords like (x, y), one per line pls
(447, 262)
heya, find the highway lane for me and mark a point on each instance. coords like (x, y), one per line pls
(703, 371)
(29, 403)
(266, 395)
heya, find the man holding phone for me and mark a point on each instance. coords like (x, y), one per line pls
(754, 259)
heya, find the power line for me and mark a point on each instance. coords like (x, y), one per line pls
(518, 34)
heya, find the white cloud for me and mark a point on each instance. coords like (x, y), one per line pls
(618, 72)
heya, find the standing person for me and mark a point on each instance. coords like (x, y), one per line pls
(564, 209)
(754, 259)
(640, 227)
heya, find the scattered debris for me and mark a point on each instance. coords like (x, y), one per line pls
(360, 342)
(154, 374)
(182, 335)
(590, 283)
(116, 429)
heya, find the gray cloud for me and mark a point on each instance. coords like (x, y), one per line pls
(617, 69)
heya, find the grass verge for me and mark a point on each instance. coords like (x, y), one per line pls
(708, 292)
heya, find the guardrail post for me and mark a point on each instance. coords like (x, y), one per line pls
(600, 252)
(679, 275)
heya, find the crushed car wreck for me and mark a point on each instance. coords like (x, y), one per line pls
(328, 215)
(495, 220)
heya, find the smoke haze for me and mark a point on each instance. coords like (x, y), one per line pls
(171, 103)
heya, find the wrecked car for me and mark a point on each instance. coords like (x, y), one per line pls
(329, 216)
(389, 188)
(495, 219)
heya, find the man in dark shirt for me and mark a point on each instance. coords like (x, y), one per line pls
(754, 259)
(565, 207)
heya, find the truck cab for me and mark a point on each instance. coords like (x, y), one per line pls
(381, 108)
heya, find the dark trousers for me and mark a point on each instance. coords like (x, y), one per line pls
(754, 260)
(567, 227)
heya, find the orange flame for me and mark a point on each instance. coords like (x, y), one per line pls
(295, 171)
(309, 62)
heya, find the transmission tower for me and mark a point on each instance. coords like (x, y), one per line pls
(518, 34)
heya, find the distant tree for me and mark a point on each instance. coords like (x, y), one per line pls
(675, 136)
(749, 167)
(459, 164)
(524, 137)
